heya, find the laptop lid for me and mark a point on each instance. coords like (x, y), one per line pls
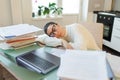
(39, 61)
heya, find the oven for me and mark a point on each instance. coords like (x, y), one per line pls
(107, 20)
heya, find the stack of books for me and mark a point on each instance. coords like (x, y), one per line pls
(21, 41)
(21, 35)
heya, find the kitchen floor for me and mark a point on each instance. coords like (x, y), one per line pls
(107, 49)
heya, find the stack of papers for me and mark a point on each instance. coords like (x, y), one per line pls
(17, 30)
(83, 65)
(18, 35)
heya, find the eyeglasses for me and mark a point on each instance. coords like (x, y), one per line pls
(52, 34)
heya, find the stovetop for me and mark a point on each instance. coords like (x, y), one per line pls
(111, 12)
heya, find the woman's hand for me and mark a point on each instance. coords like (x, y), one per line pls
(66, 45)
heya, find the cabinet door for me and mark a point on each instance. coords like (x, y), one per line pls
(116, 27)
(116, 34)
(116, 42)
(95, 5)
(116, 22)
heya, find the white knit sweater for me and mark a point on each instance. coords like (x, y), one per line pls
(80, 38)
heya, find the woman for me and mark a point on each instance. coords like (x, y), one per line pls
(73, 36)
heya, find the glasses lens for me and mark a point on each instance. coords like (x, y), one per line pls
(52, 35)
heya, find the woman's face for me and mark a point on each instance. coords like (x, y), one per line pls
(54, 30)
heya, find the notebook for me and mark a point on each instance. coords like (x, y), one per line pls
(43, 63)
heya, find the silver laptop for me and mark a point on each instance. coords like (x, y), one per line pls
(39, 61)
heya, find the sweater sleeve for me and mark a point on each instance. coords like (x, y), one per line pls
(78, 43)
(76, 39)
(82, 38)
(49, 41)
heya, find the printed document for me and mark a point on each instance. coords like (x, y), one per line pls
(83, 65)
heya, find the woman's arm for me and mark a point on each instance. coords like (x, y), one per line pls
(66, 45)
(49, 41)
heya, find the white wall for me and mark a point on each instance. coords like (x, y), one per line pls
(88, 6)
(108, 5)
(16, 9)
(21, 12)
(5, 13)
(116, 5)
(95, 5)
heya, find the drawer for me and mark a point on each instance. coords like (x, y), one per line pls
(116, 31)
(117, 20)
(116, 23)
(115, 41)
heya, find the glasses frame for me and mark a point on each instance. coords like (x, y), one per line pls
(52, 34)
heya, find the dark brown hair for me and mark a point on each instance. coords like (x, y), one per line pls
(47, 25)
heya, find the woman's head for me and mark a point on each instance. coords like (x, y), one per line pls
(53, 29)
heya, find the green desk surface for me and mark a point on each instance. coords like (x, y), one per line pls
(22, 73)
(13, 53)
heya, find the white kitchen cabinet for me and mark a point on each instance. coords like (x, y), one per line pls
(95, 5)
(115, 41)
(108, 5)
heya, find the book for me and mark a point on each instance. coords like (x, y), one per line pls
(22, 41)
(17, 40)
(22, 44)
(83, 65)
(20, 38)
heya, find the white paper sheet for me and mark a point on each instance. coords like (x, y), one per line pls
(83, 65)
(1, 38)
(18, 30)
(54, 51)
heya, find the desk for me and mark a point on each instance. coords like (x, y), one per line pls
(19, 73)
